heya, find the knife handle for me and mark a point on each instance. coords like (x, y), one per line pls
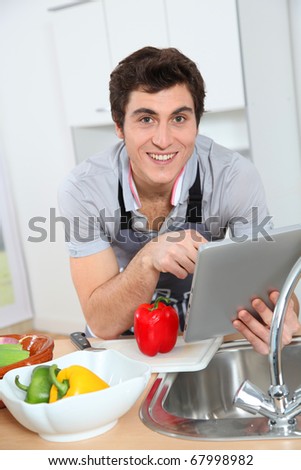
(80, 340)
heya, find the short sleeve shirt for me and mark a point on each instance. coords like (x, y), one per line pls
(232, 197)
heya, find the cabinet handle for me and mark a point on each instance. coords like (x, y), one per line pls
(75, 3)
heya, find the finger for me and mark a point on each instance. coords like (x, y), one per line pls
(256, 342)
(183, 256)
(263, 310)
(274, 296)
(187, 265)
(173, 268)
(197, 238)
(291, 322)
(176, 262)
(186, 255)
(199, 241)
(287, 336)
(291, 325)
(260, 330)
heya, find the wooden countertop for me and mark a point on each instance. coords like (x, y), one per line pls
(129, 433)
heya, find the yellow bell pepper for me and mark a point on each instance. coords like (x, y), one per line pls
(74, 380)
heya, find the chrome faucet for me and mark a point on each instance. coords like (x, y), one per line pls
(276, 405)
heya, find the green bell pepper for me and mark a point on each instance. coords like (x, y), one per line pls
(38, 390)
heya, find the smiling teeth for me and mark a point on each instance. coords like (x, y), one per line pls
(163, 158)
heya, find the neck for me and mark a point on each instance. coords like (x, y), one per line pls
(151, 191)
(155, 203)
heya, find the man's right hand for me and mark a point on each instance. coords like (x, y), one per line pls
(175, 252)
(109, 297)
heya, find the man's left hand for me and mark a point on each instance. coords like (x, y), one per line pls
(258, 334)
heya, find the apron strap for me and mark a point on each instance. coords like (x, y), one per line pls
(194, 207)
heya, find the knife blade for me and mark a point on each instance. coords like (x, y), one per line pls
(81, 342)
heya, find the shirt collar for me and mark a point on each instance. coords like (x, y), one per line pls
(178, 195)
(130, 194)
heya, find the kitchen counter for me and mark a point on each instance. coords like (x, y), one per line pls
(129, 433)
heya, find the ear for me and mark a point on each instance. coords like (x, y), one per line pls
(119, 131)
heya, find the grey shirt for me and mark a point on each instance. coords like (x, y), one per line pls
(232, 197)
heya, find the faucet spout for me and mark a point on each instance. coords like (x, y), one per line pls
(278, 322)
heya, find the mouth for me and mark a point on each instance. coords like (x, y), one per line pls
(162, 157)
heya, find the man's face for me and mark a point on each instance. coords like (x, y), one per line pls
(159, 132)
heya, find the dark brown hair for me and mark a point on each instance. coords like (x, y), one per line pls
(153, 70)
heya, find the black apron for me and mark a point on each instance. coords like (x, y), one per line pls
(193, 220)
(194, 207)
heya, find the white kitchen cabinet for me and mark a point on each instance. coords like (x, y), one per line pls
(133, 24)
(207, 32)
(84, 62)
(91, 38)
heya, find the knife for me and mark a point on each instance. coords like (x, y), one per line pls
(80, 341)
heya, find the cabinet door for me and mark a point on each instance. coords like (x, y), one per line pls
(133, 24)
(207, 32)
(84, 62)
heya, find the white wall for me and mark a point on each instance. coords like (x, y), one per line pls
(272, 105)
(38, 149)
(295, 23)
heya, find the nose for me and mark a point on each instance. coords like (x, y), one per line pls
(162, 136)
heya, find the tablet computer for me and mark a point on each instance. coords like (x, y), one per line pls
(229, 274)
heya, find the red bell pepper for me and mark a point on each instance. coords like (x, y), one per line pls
(156, 327)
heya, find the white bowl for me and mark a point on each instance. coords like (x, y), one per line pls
(82, 416)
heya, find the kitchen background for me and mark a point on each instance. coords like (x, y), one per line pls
(55, 61)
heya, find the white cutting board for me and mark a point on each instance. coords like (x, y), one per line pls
(183, 358)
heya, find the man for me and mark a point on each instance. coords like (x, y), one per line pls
(132, 232)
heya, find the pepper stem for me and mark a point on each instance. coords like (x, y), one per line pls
(61, 386)
(159, 299)
(19, 385)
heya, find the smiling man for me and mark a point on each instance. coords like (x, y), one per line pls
(138, 212)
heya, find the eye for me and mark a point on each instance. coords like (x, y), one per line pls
(179, 119)
(146, 119)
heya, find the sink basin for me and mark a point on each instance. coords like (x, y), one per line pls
(199, 405)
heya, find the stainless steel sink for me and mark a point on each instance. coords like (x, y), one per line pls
(199, 405)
